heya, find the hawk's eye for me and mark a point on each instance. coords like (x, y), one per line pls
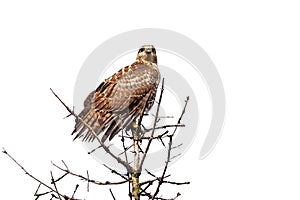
(153, 50)
(141, 50)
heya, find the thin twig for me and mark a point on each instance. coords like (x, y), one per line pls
(147, 138)
(118, 159)
(76, 187)
(153, 180)
(65, 165)
(166, 126)
(177, 183)
(112, 194)
(61, 177)
(90, 180)
(182, 113)
(38, 195)
(33, 177)
(161, 180)
(53, 182)
(123, 144)
(165, 168)
(115, 172)
(154, 125)
(88, 183)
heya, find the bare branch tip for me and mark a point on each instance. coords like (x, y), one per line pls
(4, 151)
(112, 194)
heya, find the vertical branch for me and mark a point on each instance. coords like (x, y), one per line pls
(161, 179)
(138, 162)
(53, 182)
(154, 125)
(136, 174)
(126, 159)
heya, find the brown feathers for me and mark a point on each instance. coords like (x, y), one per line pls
(120, 99)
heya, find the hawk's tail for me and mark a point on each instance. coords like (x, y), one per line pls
(99, 122)
(88, 120)
(109, 122)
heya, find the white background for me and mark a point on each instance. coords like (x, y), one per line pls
(254, 44)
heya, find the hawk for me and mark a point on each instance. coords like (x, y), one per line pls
(121, 99)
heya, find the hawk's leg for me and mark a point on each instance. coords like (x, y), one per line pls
(137, 131)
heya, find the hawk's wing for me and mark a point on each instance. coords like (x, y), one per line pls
(118, 101)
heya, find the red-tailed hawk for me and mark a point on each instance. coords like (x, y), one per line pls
(122, 98)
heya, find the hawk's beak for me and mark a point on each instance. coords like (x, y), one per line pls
(148, 51)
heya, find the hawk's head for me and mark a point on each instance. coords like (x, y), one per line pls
(147, 53)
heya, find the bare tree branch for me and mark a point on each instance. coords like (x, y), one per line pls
(136, 189)
(182, 113)
(112, 194)
(166, 126)
(118, 159)
(165, 168)
(91, 180)
(76, 187)
(53, 182)
(154, 125)
(169, 151)
(33, 177)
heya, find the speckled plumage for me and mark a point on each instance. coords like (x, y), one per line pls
(121, 98)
